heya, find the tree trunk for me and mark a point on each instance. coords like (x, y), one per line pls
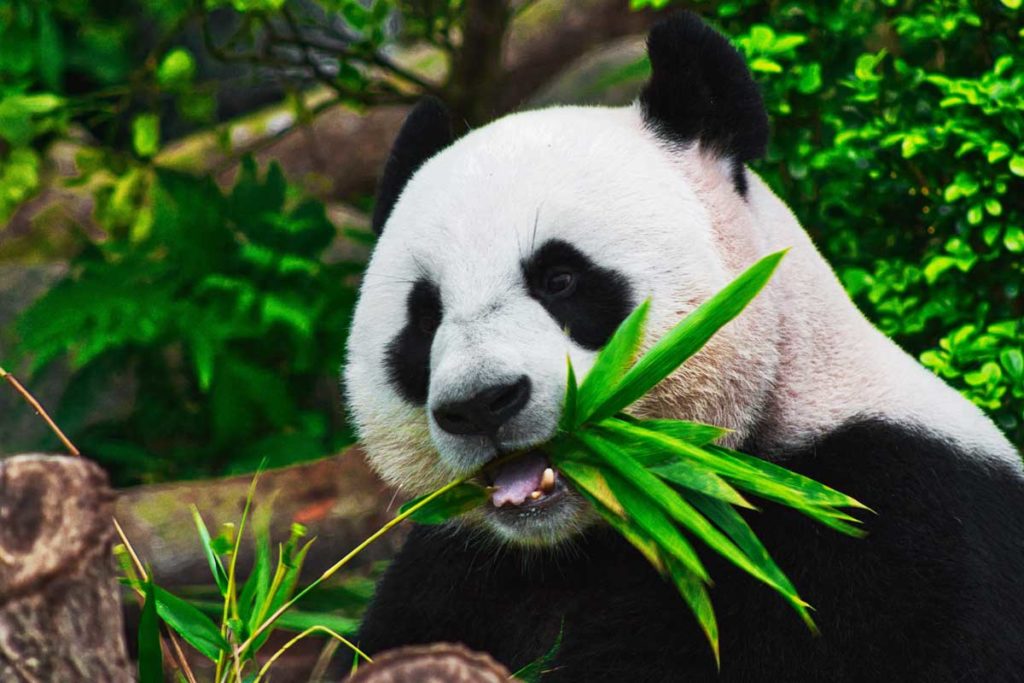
(60, 606)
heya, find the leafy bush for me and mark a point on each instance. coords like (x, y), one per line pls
(225, 309)
(899, 143)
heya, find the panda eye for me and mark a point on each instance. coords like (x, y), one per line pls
(559, 282)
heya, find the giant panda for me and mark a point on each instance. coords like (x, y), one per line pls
(532, 238)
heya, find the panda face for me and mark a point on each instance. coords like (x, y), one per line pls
(524, 244)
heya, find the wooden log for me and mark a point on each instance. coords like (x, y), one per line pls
(447, 662)
(60, 604)
(338, 499)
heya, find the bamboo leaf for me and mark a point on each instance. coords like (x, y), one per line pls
(220, 576)
(651, 518)
(569, 411)
(151, 663)
(652, 455)
(686, 338)
(695, 593)
(733, 524)
(612, 363)
(532, 672)
(681, 511)
(191, 624)
(459, 499)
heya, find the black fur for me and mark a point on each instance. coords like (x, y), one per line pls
(408, 354)
(701, 90)
(599, 300)
(426, 131)
(935, 592)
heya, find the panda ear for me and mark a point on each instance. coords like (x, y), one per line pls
(701, 90)
(426, 131)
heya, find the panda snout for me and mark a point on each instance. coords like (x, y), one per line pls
(486, 411)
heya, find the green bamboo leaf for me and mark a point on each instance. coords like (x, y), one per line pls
(652, 519)
(681, 511)
(570, 407)
(254, 591)
(459, 499)
(686, 338)
(810, 489)
(220, 575)
(736, 528)
(191, 624)
(695, 593)
(151, 663)
(667, 465)
(532, 672)
(612, 362)
(693, 433)
(293, 620)
(591, 480)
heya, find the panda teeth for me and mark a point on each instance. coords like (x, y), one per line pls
(547, 481)
(535, 495)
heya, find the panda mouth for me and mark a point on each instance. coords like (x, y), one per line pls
(524, 482)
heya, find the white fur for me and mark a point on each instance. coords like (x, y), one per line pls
(798, 362)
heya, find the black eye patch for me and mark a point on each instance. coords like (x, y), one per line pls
(408, 354)
(586, 299)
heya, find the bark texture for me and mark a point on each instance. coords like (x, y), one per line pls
(60, 605)
(440, 663)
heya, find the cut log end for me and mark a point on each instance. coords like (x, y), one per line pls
(60, 606)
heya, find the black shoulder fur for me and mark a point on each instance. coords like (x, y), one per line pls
(934, 593)
(426, 131)
(701, 90)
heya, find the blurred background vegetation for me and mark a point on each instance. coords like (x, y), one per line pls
(184, 186)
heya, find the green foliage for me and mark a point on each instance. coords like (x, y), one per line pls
(248, 612)
(659, 482)
(223, 305)
(898, 140)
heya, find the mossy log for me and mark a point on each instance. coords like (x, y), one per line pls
(60, 604)
(338, 499)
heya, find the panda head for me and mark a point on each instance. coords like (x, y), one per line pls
(528, 241)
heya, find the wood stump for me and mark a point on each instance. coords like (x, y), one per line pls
(60, 604)
(436, 663)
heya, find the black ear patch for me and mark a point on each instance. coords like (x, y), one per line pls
(701, 89)
(426, 131)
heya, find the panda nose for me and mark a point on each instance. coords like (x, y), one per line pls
(486, 411)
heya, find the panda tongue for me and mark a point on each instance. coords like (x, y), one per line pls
(515, 480)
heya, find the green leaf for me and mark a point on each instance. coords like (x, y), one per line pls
(677, 508)
(1013, 361)
(177, 68)
(686, 338)
(653, 520)
(191, 624)
(146, 134)
(612, 363)
(151, 663)
(571, 403)
(667, 465)
(735, 527)
(220, 576)
(1013, 239)
(1017, 165)
(695, 593)
(532, 672)
(457, 500)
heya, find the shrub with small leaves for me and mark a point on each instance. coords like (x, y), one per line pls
(225, 309)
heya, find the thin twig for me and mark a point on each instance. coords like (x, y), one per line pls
(31, 400)
(13, 381)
